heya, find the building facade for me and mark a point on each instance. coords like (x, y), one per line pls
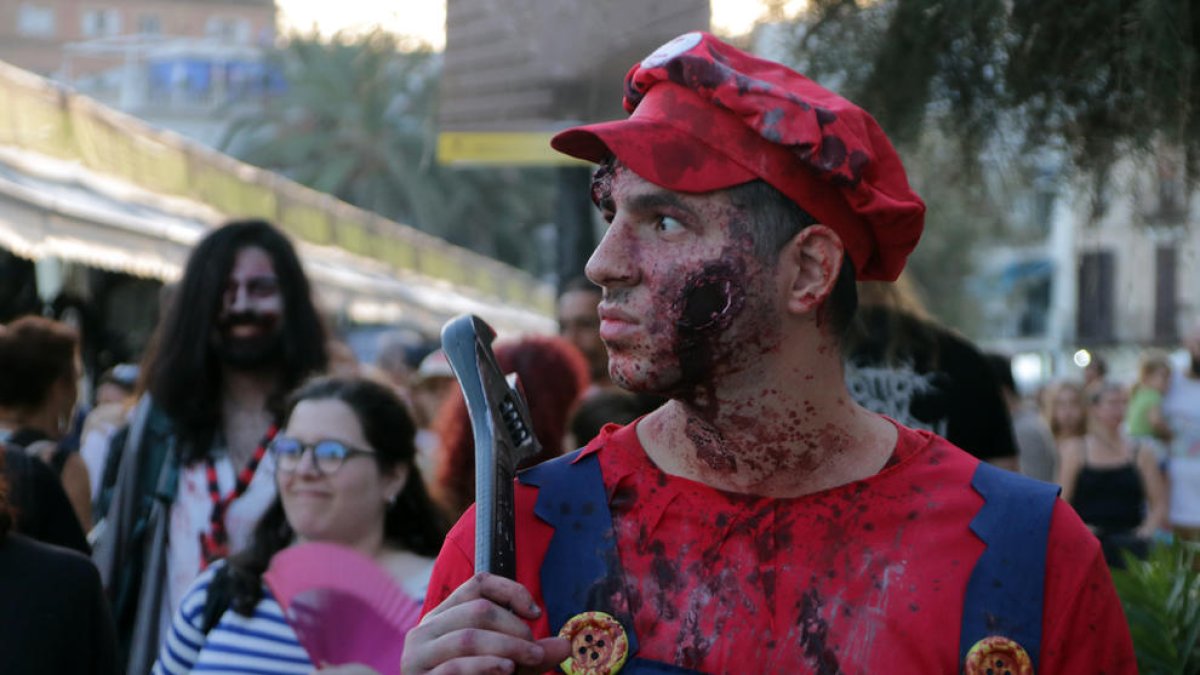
(35, 33)
(1115, 272)
(183, 65)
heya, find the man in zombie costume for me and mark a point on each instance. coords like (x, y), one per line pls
(189, 478)
(761, 521)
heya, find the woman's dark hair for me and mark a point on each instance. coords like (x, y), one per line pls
(411, 523)
(34, 354)
(553, 375)
(181, 368)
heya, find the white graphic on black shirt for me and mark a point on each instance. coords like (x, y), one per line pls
(891, 391)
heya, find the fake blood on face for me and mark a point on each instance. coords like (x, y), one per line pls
(710, 299)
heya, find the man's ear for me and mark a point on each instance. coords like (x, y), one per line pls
(810, 262)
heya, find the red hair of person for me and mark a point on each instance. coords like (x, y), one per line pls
(553, 375)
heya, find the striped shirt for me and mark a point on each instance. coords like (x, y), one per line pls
(263, 643)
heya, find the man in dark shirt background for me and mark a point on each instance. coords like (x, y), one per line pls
(901, 363)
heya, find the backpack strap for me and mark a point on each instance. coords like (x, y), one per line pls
(217, 599)
(1006, 591)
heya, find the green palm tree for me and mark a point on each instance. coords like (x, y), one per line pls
(358, 121)
(1161, 596)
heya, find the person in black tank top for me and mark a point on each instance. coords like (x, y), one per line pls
(1114, 486)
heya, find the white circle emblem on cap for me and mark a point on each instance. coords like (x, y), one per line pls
(672, 49)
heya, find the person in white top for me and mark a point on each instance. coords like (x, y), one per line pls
(1181, 408)
(345, 472)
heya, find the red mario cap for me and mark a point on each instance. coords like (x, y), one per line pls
(706, 116)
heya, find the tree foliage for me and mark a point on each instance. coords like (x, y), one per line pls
(1161, 596)
(357, 121)
(1098, 78)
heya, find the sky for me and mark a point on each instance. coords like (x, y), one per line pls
(425, 20)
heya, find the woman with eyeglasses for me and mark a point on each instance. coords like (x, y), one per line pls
(345, 474)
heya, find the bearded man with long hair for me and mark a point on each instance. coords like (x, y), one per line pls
(190, 477)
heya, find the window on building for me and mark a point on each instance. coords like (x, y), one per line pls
(1165, 296)
(1094, 314)
(35, 21)
(101, 22)
(149, 24)
(1035, 308)
(228, 29)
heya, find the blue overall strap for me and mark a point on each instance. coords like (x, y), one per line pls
(578, 570)
(582, 568)
(1006, 590)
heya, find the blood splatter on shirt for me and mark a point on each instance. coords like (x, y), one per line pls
(867, 577)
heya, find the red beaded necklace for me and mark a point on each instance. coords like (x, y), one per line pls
(214, 544)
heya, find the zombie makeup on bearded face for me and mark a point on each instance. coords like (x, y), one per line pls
(248, 329)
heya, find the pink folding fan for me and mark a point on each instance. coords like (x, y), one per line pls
(344, 607)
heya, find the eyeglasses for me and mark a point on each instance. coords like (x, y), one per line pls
(328, 456)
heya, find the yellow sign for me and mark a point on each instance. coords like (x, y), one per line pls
(501, 147)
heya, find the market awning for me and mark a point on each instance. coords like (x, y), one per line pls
(51, 208)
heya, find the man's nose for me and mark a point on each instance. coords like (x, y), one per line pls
(613, 263)
(239, 300)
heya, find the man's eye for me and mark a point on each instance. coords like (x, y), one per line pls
(262, 287)
(668, 224)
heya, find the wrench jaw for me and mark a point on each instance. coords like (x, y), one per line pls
(503, 433)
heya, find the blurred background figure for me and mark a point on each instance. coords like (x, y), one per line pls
(902, 364)
(553, 376)
(1094, 372)
(55, 619)
(431, 386)
(1181, 408)
(114, 398)
(39, 374)
(117, 384)
(1144, 419)
(39, 505)
(611, 406)
(342, 359)
(1037, 456)
(189, 477)
(399, 353)
(579, 324)
(1114, 484)
(1064, 412)
(345, 475)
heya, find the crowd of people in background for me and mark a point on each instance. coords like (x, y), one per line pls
(1123, 449)
(210, 446)
(142, 528)
(204, 443)
(247, 427)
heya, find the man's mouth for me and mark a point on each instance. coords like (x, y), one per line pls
(245, 330)
(247, 325)
(615, 323)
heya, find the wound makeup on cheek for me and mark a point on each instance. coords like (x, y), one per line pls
(709, 299)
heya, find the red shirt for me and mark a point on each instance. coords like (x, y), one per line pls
(868, 577)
